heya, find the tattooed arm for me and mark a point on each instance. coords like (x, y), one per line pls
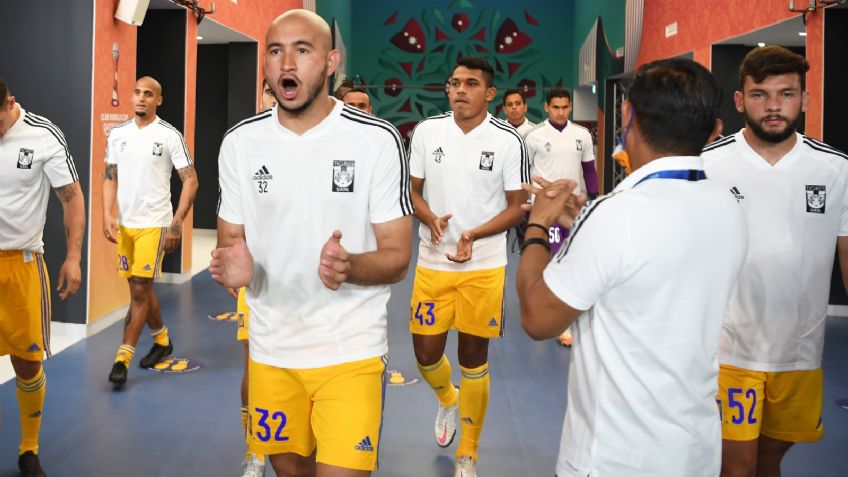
(190, 184)
(73, 207)
(110, 194)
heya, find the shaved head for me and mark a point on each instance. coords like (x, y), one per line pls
(323, 35)
(150, 83)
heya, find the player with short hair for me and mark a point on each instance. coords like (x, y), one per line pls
(642, 376)
(35, 158)
(147, 149)
(515, 108)
(358, 98)
(560, 149)
(793, 191)
(467, 171)
(339, 201)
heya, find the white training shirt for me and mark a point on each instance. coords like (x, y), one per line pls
(654, 263)
(34, 157)
(559, 155)
(466, 175)
(795, 210)
(145, 157)
(291, 192)
(523, 127)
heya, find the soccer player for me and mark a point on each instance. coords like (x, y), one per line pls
(254, 462)
(35, 157)
(559, 149)
(146, 148)
(515, 107)
(316, 234)
(642, 378)
(358, 98)
(792, 190)
(467, 171)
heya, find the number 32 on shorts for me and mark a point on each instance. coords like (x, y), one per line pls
(278, 419)
(428, 318)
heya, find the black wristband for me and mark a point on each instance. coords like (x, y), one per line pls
(535, 241)
(537, 225)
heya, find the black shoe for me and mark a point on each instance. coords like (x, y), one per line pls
(118, 376)
(157, 353)
(29, 465)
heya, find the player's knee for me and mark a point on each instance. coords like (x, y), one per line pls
(139, 290)
(738, 464)
(427, 357)
(24, 368)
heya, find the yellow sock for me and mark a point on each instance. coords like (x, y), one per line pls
(160, 336)
(439, 377)
(31, 401)
(244, 422)
(125, 354)
(473, 401)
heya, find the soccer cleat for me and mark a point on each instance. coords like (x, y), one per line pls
(29, 465)
(157, 353)
(446, 424)
(118, 376)
(465, 467)
(253, 467)
(566, 339)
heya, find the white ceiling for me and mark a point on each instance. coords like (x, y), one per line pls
(212, 32)
(784, 33)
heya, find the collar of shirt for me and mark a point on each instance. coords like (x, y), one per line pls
(662, 164)
(759, 162)
(326, 124)
(556, 126)
(480, 127)
(14, 127)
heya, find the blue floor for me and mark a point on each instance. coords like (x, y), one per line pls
(189, 424)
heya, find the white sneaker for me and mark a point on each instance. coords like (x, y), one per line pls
(465, 467)
(253, 467)
(446, 424)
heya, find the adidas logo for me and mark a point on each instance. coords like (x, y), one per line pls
(468, 420)
(33, 348)
(493, 322)
(35, 415)
(262, 174)
(365, 445)
(147, 267)
(439, 154)
(736, 193)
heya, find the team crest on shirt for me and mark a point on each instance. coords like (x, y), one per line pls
(487, 160)
(816, 196)
(548, 147)
(25, 157)
(343, 175)
(579, 143)
(158, 148)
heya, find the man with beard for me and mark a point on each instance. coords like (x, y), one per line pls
(315, 219)
(140, 155)
(792, 189)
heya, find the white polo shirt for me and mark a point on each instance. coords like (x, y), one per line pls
(291, 192)
(34, 157)
(654, 262)
(559, 155)
(795, 210)
(145, 157)
(466, 175)
(523, 127)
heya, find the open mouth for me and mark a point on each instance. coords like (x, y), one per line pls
(289, 88)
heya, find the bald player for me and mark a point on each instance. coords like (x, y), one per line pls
(35, 158)
(140, 155)
(340, 202)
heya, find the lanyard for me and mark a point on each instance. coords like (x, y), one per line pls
(686, 174)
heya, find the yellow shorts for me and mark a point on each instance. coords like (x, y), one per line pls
(782, 405)
(24, 305)
(140, 252)
(337, 408)
(470, 302)
(243, 313)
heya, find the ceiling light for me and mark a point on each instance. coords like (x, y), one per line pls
(761, 44)
(802, 33)
(199, 37)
